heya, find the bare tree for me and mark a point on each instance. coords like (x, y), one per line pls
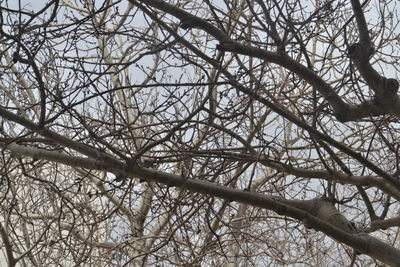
(199, 133)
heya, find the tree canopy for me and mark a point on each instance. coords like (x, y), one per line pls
(199, 133)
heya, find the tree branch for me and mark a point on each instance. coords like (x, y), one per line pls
(361, 242)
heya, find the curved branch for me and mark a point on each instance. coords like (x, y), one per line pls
(276, 107)
(385, 89)
(292, 208)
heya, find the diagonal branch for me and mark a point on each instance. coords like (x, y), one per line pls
(230, 45)
(282, 111)
(361, 23)
(8, 246)
(386, 104)
(302, 210)
(385, 88)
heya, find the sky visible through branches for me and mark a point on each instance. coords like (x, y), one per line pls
(199, 133)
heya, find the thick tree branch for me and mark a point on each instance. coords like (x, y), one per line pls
(238, 141)
(278, 108)
(292, 208)
(8, 246)
(361, 23)
(81, 148)
(385, 88)
(187, 20)
(228, 44)
(384, 224)
(344, 112)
